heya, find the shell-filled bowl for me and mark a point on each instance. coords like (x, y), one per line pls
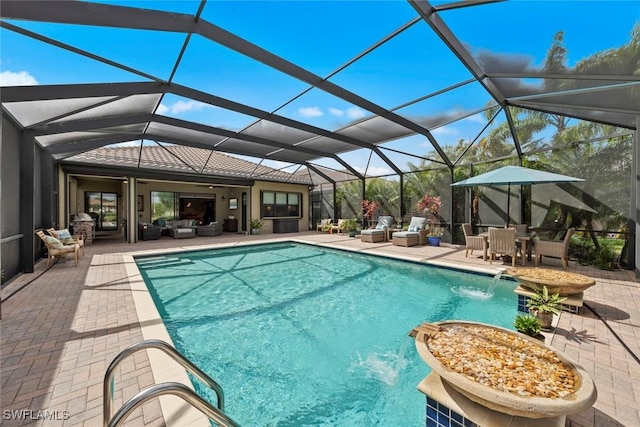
(557, 282)
(504, 370)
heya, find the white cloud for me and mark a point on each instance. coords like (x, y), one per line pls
(355, 113)
(182, 107)
(478, 118)
(162, 109)
(21, 78)
(445, 131)
(374, 170)
(310, 112)
(336, 112)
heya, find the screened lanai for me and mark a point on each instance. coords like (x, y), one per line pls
(383, 101)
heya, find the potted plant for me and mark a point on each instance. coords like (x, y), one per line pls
(368, 210)
(255, 224)
(544, 305)
(528, 325)
(430, 207)
(350, 226)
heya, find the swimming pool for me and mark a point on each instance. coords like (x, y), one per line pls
(305, 335)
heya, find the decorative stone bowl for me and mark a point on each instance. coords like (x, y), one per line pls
(557, 282)
(494, 367)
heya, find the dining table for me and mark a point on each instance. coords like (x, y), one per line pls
(525, 239)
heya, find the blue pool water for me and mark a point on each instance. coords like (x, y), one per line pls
(301, 335)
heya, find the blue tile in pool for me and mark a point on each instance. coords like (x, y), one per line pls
(522, 303)
(523, 299)
(438, 415)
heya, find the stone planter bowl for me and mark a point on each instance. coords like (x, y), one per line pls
(507, 402)
(557, 282)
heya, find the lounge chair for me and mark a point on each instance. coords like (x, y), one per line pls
(323, 225)
(55, 248)
(213, 229)
(378, 234)
(66, 238)
(472, 241)
(555, 249)
(416, 234)
(502, 241)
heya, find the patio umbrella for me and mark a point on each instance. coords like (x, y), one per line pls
(515, 175)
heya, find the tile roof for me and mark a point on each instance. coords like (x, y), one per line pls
(183, 159)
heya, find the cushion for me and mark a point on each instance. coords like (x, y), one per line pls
(417, 221)
(53, 242)
(381, 226)
(63, 234)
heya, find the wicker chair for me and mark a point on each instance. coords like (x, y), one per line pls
(503, 241)
(55, 248)
(472, 242)
(378, 234)
(415, 235)
(149, 231)
(213, 229)
(555, 249)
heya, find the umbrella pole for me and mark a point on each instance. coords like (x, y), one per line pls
(508, 202)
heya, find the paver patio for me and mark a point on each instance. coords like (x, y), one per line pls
(62, 327)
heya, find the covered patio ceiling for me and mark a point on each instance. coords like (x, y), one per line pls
(379, 120)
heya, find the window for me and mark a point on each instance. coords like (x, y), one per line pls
(163, 205)
(274, 205)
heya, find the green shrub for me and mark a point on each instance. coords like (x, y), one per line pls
(605, 257)
(527, 324)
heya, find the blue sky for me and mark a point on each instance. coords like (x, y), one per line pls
(322, 36)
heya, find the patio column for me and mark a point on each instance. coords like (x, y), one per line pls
(132, 209)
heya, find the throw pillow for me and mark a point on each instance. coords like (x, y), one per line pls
(412, 228)
(63, 234)
(53, 242)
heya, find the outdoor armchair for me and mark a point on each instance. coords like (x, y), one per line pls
(213, 229)
(66, 238)
(555, 249)
(323, 225)
(471, 241)
(337, 228)
(55, 248)
(148, 231)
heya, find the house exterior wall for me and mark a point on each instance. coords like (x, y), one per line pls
(254, 203)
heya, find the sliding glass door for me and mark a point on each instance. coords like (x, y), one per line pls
(103, 208)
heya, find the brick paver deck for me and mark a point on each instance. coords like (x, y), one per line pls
(63, 326)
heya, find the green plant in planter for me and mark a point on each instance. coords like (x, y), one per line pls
(544, 302)
(255, 224)
(544, 305)
(527, 324)
(350, 226)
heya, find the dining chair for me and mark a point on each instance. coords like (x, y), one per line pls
(502, 241)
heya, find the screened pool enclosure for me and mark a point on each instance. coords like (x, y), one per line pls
(383, 101)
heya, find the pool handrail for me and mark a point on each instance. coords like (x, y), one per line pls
(108, 383)
(176, 389)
